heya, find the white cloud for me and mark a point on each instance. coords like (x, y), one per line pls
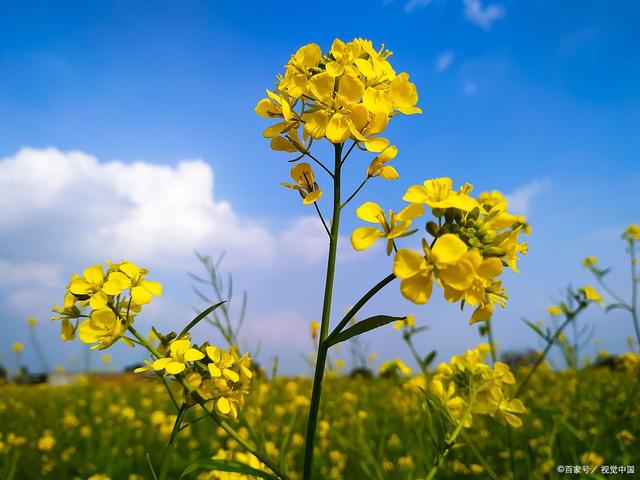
(29, 273)
(484, 17)
(413, 5)
(67, 206)
(469, 88)
(521, 199)
(444, 60)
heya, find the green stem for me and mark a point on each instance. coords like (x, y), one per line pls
(321, 359)
(492, 343)
(569, 318)
(168, 452)
(634, 291)
(450, 442)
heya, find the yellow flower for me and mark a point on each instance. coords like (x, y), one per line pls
(102, 327)
(409, 321)
(17, 347)
(378, 167)
(394, 367)
(180, 353)
(297, 71)
(94, 284)
(632, 233)
(141, 289)
(106, 358)
(46, 442)
(32, 321)
(439, 193)
(315, 327)
(395, 226)
(416, 270)
(592, 294)
(588, 261)
(554, 310)
(302, 174)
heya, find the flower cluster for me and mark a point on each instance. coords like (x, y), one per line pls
(218, 376)
(467, 386)
(393, 368)
(632, 233)
(112, 298)
(472, 240)
(349, 92)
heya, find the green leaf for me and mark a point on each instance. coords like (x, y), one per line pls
(226, 466)
(536, 329)
(199, 318)
(360, 328)
(429, 358)
(615, 306)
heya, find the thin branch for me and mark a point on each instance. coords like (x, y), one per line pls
(344, 159)
(319, 163)
(326, 228)
(344, 204)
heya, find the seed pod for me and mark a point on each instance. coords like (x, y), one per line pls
(432, 228)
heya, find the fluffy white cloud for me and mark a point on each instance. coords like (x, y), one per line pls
(68, 205)
(444, 60)
(485, 16)
(520, 200)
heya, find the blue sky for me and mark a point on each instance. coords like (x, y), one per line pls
(537, 99)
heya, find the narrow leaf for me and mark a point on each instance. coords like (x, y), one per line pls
(360, 328)
(429, 358)
(199, 318)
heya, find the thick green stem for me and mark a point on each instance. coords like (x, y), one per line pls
(321, 359)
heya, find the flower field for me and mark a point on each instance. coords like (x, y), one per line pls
(370, 428)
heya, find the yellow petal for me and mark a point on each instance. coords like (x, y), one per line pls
(370, 212)
(161, 363)
(417, 288)
(408, 263)
(141, 295)
(281, 144)
(312, 197)
(410, 212)
(153, 287)
(94, 274)
(389, 173)
(415, 194)
(363, 237)
(338, 128)
(192, 355)
(448, 248)
(223, 405)
(174, 367)
(98, 300)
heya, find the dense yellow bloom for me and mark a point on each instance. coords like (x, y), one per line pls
(395, 226)
(94, 284)
(302, 174)
(467, 386)
(112, 311)
(180, 354)
(17, 347)
(350, 92)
